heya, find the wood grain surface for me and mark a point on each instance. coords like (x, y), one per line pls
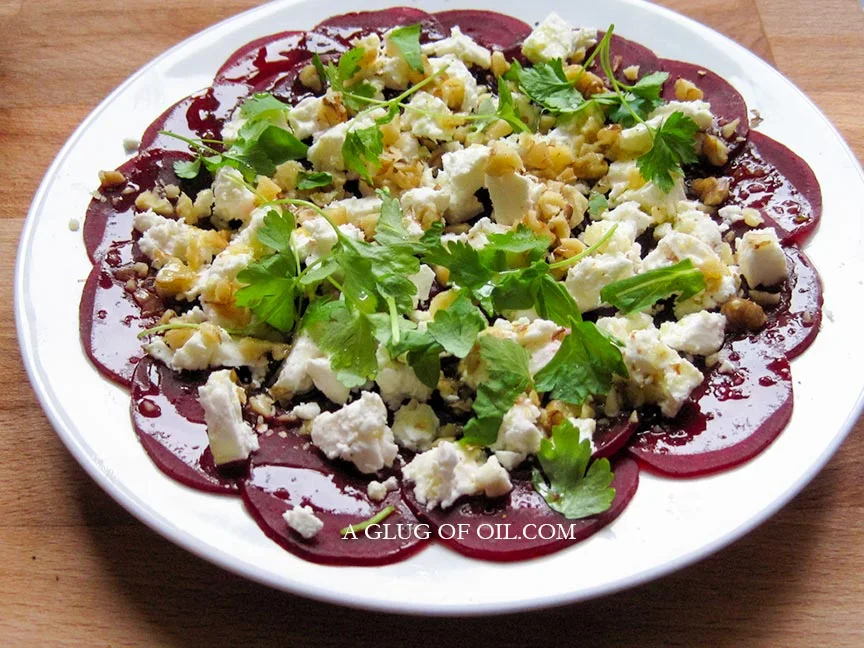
(77, 570)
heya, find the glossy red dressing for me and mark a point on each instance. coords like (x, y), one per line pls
(356, 25)
(491, 30)
(624, 53)
(169, 422)
(730, 418)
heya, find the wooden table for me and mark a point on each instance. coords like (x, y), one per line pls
(77, 570)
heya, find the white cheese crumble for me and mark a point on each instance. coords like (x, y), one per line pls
(426, 116)
(305, 366)
(231, 438)
(377, 491)
(761, 258)
(233, 200)
(398, 382)
(463, 47)
(512, 196)
(415, 426)
(519, 434)
(463, 173)
(357, 433)
(315, 237)
(303, 520)
(698, 333)
(556, 38)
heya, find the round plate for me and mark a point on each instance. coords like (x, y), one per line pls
(668, 524)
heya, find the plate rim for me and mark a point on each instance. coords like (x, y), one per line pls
(191, 543)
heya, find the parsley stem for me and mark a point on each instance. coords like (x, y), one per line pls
(586, 252)
(603, 44)
(395, 101)
(380, 516)
(168, 327)
(394, 319)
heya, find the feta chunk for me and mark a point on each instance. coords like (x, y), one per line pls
(637, 139)
(306, 411)
(512, 196)
(307, 118)
(587, 278)
(303, 520)
(415, 426)
(448, 471)
(464, 172)
(315, 237)
(519, 434)
(761, 258)
(457, 71)
(398, 382)
(586, 427)
(305, 366)
(422, 124)
(357, 433)
(231, 438)
(627, 184)
(556, 38)
(422, 280)
(233, 200)
(325, 154)
(630, 213)
(377, 491)
(461, 46)
(163, 238)
(657, 373)
(699, 333)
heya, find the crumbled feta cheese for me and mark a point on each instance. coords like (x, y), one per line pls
(422, 280)
(555, 38)
(231, 438)
(699, 333)
(512, 196)
(305, 366)
(306, 118)
(462, 46)
(456, 70)
(304, 521)
(587, 278)
(637, 139)
(626, 184)
(657, 373)
(306, 411)
(519, 434)
(423, 204)
(630, 213)
(761, 258)
(699, 224)
(315, 237)
(415, 426)
(377, 491)
(398, 382)
(464, 172)
(357, 433)
(587, 427)
(358, 210)
(165, 237)
(325, 154)
(448, 471)
(233, 200)
(431, 122)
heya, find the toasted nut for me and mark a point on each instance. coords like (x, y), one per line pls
(631, 72)
(728, 130)
(743, 315)
(608, 135)
(687, 91)
(267, 188)
(586, 82)
(499, 64)
(172, 191)
(503, 160)
(715, 150)
(591, 166)
(309, 78)
(711, 191)
(152, 200)
(111, 178)
(764, 298)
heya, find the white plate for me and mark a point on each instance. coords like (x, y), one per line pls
(667, 525)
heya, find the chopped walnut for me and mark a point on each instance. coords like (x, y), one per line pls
(715, 150)
(743, 315)
(111, 178)
(687, 90)
(711, 191)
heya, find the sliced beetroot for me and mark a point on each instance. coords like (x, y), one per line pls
(109, 218)
(347, 27)
(287, 472)
(727, 104)
(169, 422)
(200, 115)
(612, 434)
(730, 418)
(625, 53)
(110, 314)
(769, 177)
(521, 525)
(794, 323)
(260, 63)
(490, 29)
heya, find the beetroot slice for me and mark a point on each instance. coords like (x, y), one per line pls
(624, 53)
(287, 472)
(200, 115)
(258, 64)
(169, 422)
(109, 219)
(490, 29)
(110, 318)
(612, 435)
(729, 419)
(794, 323)
(467, 526)
(347, 27)
(769, 177)
(727, 104)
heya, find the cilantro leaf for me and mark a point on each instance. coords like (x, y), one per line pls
(456, 327)
(506, 110)
(643, 290)
(506, 364)
(597, 204)
(381, 269)
(584, 365)
(187, 168)
(307, 180)
(276, 231)
(390, 230)
(407, 41)
(548, 86)
(515, 289)
(270, 292)
(280, 145)
(422, 353)
(674, 145)
(361, 151)
(262, 105)
(575, 489)
(515, 248)
(552, 301)
(348, 337)
(463, 261)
